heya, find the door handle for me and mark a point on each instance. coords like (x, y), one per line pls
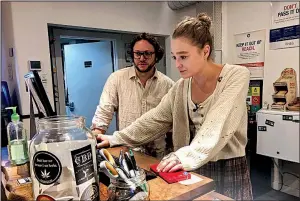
(296, 121)
(72, 106)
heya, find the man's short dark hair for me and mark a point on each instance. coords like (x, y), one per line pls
(159, 50)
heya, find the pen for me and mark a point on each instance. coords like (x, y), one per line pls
(129, 163)
(125, 178)
(107, 156)
(133, 159)
(125, 166)
(121, 156)
(108, 169)
(133, 162)
(126, 173)
(122, 174)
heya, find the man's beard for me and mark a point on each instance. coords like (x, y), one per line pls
(147, 69)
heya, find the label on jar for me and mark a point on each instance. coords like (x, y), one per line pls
(83, 164)
(46, 167)
(91, 193)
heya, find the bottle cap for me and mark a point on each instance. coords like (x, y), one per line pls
(14, 117)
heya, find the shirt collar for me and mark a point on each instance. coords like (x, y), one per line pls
(132, 73)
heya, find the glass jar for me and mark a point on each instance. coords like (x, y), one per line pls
(135, 188)
(63, 160)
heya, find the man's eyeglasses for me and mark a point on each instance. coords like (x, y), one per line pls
(146, 54)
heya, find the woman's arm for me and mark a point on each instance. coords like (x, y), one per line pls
(153, 124)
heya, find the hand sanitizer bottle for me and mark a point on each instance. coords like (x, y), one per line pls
(17, 140)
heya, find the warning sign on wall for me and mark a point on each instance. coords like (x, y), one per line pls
(249, 91)
(255, 91)
(255, 100)
(249, 100)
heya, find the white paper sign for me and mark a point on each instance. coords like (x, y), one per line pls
(194, 179)
(10, 72)
(285, 26)
(44, 80)
(285, 14)
(250, 51)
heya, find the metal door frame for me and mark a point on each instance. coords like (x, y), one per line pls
(55, 33)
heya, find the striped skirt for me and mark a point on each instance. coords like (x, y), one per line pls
(231, 176)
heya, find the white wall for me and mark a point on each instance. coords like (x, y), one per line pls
(250, 16)
(172, 71)
(7, 62)
(213, 9)
(239, 17)
(30, 35)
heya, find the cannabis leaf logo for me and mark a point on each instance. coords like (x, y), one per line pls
(45, 174)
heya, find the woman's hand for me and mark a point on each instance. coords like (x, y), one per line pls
(169, 163)
(98, 131)
(103, 141)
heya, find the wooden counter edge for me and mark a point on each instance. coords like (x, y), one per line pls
(195, 193)
(211, 196)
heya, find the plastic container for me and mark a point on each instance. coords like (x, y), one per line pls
(17, 140)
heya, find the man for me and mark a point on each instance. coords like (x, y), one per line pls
(135, 90)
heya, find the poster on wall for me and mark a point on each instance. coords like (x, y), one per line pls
(285, 28)
(250, 52)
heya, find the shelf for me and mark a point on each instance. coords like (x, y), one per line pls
(280, 84)
(278, 96)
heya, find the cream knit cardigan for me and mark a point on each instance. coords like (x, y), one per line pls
(223, 134)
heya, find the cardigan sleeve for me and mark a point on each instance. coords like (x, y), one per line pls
(151, 125)
(220, 124)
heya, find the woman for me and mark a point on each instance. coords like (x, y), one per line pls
(206, 110)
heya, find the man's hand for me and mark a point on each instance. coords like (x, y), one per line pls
(169, 163)
(103, 141)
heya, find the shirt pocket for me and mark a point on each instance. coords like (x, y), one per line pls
(152, 102)
(127, 116)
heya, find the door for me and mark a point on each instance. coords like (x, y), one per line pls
(267, 136)
(87, 67)
(289, 149)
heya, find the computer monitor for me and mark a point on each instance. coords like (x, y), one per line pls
(38, 92)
